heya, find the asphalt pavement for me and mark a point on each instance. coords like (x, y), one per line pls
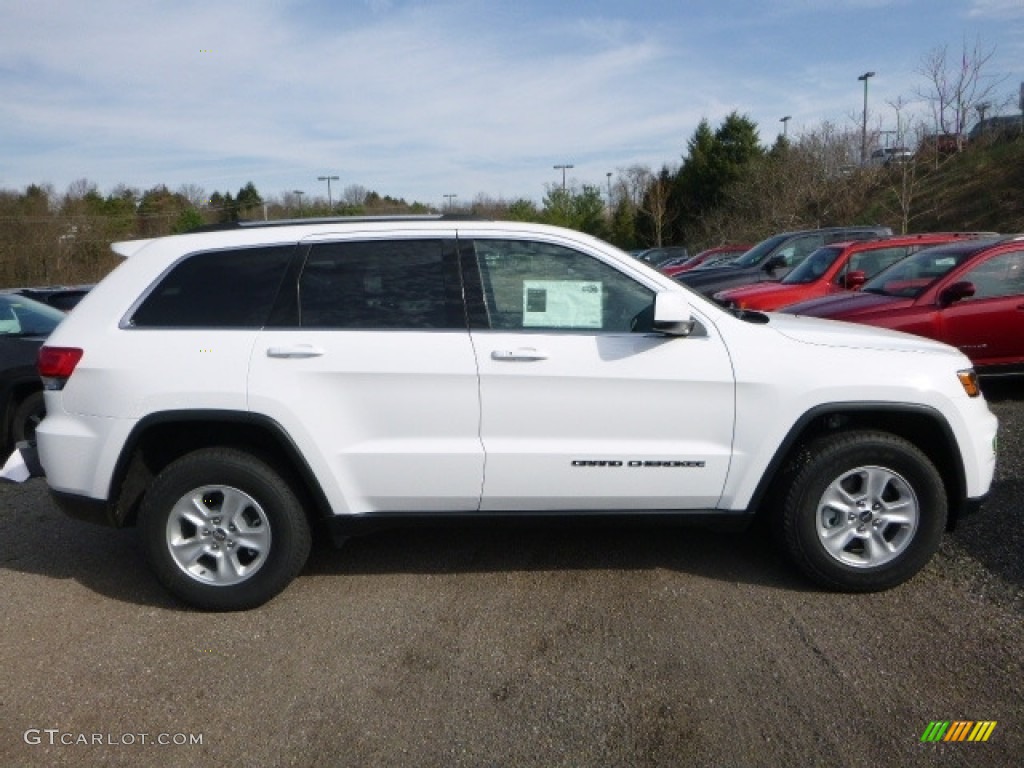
(515, 646)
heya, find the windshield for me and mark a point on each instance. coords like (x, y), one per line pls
(759, 252)
(24, 317)
(912, 276)
(813, 267)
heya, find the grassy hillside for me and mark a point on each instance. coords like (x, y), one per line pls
(981, 188)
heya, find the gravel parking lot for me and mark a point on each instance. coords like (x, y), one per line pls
(524, 646)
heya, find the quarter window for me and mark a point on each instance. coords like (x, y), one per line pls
(540, 286)
(216, 289)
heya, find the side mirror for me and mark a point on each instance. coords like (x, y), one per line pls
(855, 279)
(956, 292)
(774, 263)
(672, 314)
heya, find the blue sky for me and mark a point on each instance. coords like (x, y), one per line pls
(424, 98)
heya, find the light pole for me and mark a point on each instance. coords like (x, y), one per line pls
(785, 124)
(449, 198)
(328, 179)
(563, 168)
(609, 175)
(864, 124)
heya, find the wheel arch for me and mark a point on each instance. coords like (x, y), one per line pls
(12, 396)
(159, 439)
(919, 424)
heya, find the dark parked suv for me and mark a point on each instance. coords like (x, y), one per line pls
(772, 259)
(24, 325)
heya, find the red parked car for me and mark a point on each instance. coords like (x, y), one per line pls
(718, 255)
(969, 293)
(833, 268)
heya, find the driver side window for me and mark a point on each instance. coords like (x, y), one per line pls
(1001, 275)
(540, 286)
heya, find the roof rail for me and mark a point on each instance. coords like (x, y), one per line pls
(260, 223)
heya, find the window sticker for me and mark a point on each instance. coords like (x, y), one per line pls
(562, 303)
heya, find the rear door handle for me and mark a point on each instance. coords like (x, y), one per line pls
(523, 355)
(296, 351)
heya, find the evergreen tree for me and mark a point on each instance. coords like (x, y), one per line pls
(248, 199)
(714, 161)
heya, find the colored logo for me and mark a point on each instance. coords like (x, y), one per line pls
(958, 730)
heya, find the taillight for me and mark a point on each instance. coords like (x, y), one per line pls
(56, 364)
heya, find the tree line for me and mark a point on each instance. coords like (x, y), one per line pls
(727, 187)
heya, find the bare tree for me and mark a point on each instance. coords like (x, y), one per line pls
(903, 175)
(79, 188)
(956, 86)
(656, 205)
(632, 184)
(194, 193)
(813, 181)
(354, 195)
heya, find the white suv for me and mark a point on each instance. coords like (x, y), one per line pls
(228, 390)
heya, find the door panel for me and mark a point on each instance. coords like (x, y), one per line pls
(391, 417)
(989, 326)
(377, 381)
(610, 422)
(583, 407)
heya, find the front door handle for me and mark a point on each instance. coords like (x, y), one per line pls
(295, 351)
(522, 355)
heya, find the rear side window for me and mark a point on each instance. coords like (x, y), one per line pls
(216, 289)
(381, 284)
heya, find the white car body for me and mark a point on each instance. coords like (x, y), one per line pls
(481, 421)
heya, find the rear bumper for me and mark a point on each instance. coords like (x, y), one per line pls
(24, 464)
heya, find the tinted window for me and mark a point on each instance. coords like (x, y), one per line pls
(1002, 275)
(910, 277)
(380, 284)
(873, 261)
(760, 252)
(538, 286)
(813, 267)
(798, 249)
(216, 289)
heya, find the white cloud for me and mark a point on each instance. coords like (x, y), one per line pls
(996, 9)
(420, 99)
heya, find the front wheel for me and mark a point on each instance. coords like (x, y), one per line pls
(223, 530)
(864, 511)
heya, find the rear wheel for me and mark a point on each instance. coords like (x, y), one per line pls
(864, 511)
(223, 530)
(27, 416)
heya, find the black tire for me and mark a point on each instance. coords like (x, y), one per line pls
(223, 530)
(27, 415)
(862, 511)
